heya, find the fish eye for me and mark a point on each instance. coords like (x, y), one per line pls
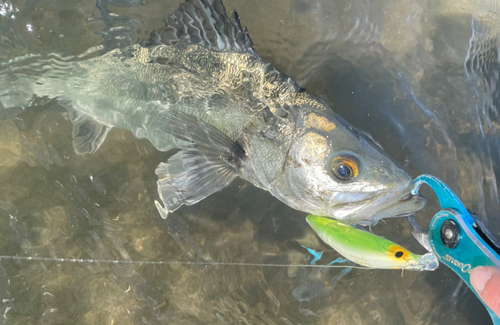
(399, 254)
(344, 168)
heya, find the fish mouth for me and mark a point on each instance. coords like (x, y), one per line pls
(406, 206)
(401, 205)
(398, 202)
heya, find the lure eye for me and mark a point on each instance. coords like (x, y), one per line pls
(399, 254)
(344, 168)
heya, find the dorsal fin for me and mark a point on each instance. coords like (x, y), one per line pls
(204, 23)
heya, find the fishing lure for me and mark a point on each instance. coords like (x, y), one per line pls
(367, 249)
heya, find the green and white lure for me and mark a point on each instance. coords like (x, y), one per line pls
(367, 249)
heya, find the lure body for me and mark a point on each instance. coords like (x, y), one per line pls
(367, 249)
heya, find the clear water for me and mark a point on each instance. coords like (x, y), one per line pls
(420, 76)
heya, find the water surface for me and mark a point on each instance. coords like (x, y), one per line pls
(421, 77)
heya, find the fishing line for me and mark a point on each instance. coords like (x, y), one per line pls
(80, 260)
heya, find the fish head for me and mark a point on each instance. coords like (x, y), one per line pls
(334, 170)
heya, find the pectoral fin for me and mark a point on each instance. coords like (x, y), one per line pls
(88, 134)
(208, 161)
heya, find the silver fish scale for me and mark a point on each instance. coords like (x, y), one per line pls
(260, 116)
(130, 88)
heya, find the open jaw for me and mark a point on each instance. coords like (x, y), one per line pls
(397, 202)
(405, 206)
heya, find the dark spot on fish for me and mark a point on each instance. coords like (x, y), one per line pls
(215, 100)
(297, 164)
(267, 116)
(162, 61)
(281, 112)
(245, 75)
(399, 254)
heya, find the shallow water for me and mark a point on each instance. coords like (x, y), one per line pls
(419, 76)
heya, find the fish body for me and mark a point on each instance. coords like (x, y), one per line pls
(367, 249)
(198, 85)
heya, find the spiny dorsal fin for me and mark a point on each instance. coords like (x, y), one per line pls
(204, 23)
